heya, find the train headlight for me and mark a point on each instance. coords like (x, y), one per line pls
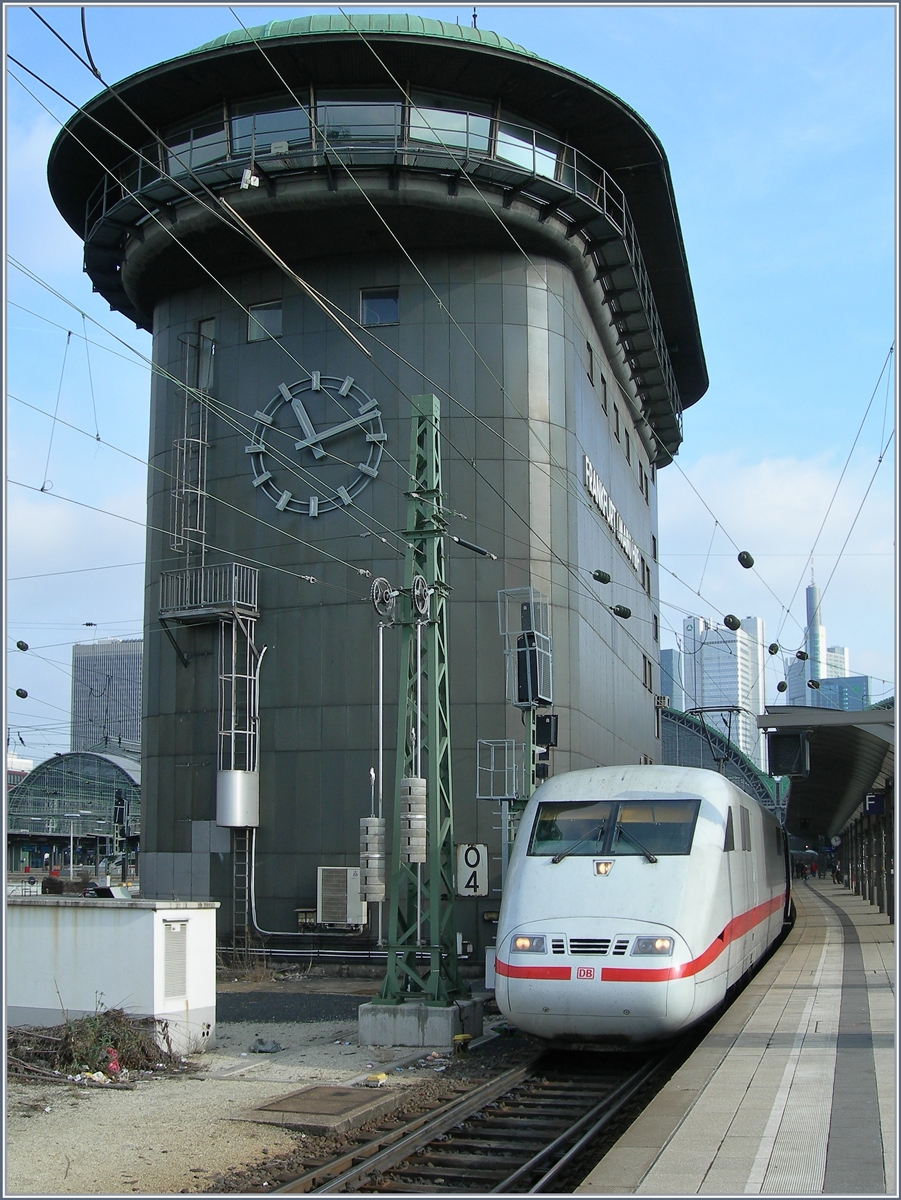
(653, 945)
(531, 944)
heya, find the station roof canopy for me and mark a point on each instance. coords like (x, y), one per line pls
(851, 754)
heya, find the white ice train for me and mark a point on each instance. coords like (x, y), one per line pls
(634, 897)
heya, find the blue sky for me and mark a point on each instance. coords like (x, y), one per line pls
(778, 123)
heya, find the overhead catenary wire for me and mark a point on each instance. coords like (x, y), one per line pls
(576, 495)
(235, 217)
(48, 484)
(886, 362)
(364, 39)
(152, 466)
(202, 397)
(551, 460)
(405, 92)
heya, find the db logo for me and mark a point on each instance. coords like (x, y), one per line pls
(584, 972)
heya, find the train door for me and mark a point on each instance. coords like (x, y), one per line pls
(740, 875)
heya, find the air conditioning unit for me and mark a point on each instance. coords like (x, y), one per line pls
(661, 701)
(338, 897)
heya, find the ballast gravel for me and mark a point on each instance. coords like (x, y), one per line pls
(190, 1132)
(176, 1134)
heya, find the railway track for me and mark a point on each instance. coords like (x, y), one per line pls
(519, 1132)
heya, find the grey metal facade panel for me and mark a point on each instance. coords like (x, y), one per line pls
(318, 733)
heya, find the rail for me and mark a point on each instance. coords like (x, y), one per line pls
(519, 1131)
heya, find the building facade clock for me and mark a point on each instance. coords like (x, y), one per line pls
(316, 445)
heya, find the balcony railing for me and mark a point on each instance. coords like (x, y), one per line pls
(364, 133)
(208, 591)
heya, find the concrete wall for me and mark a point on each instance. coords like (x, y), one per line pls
(69, 957)
(524, 416)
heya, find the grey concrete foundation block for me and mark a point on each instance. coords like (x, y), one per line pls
(415, 1024)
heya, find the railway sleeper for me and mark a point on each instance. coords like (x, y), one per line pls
(485, 1145)
(528, 1123)
(541, 1105)
(444, 1173)
(463, 1161)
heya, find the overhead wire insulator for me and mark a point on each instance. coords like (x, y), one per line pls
(413, 843)
(372, 858)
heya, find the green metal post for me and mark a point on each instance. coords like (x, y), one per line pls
(422, 909)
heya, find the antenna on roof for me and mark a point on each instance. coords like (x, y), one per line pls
(475, 17)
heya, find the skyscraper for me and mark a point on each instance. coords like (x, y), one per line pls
(671, 678)
(723, 669)
(106, 694)
(824, 679)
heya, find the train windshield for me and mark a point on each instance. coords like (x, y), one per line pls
(636, 827)
(654, 826)
(574, 828)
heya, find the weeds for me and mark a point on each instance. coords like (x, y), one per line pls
(84, 1043)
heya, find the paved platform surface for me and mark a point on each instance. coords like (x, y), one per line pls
(793, 1091)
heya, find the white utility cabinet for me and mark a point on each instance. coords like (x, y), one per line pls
(68, 956)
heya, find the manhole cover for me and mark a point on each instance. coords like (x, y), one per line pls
(326, 1101)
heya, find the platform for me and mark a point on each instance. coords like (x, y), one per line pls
(793, 1090)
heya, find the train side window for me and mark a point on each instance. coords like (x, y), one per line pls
(729, 843)
(745, 828)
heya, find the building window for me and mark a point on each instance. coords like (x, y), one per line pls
(653, 473)
(589, 366)
(603, 393)
(628, 447)
(616, 422)
(643, 482)
(656, 621)
(653, 547)
(656, 721)
(645, 576)
(264, 321)
(647, 672)
(378, 306)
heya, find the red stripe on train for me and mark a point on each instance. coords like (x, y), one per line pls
(503, 968)
(736, 928)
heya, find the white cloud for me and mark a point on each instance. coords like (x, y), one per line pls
(774, 509)
(36, 233)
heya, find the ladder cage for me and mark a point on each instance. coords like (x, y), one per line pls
(239, 715)
(524, 620)
(500, 769)
(190, 467)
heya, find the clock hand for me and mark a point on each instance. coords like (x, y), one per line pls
(314, 437)
(307, 426)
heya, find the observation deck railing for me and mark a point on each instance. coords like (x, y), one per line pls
(519, 157)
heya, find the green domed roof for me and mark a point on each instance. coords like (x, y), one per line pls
(393, 23)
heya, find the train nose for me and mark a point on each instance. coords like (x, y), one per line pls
(586, 982)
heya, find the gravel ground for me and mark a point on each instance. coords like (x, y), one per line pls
(185, 1133)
